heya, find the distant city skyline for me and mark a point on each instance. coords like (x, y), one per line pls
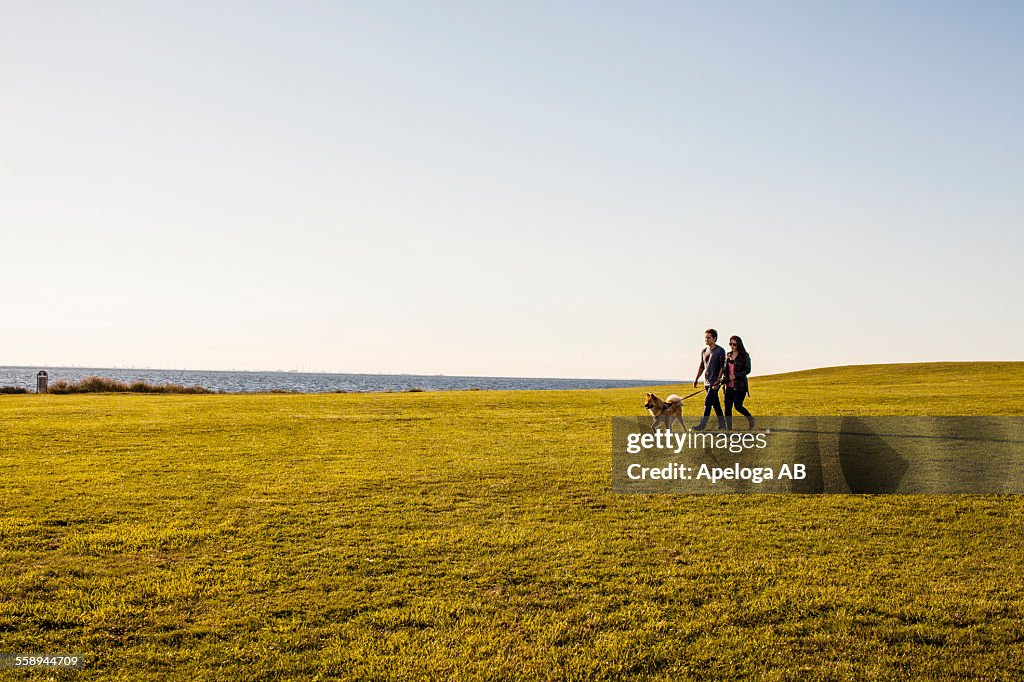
(527, 189)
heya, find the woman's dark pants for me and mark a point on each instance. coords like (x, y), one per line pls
(734, 398)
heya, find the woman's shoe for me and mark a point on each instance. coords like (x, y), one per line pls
(750, 423)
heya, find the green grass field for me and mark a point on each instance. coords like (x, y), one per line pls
(474, 535)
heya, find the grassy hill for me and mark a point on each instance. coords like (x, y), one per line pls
(946, 388)
(474, 534)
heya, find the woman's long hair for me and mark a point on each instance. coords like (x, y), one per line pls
(741, 350)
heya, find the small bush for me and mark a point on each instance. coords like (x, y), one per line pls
(13, 389)
(104, 385)
(414, 389)
(61, 387)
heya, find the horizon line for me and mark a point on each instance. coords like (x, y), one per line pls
(498, 376)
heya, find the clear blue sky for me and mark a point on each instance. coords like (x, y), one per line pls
(527, 188)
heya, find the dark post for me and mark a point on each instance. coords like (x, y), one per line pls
(41, 381)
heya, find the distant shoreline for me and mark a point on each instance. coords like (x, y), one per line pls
(83, 368)
(226, 381)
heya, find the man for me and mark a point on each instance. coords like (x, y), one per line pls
(712, 360)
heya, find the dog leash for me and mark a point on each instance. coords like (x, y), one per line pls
(693, 394)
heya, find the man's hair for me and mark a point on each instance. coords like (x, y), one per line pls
(712, 332)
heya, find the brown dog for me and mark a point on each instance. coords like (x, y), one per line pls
(665, 412)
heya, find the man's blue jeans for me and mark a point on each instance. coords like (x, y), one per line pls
(711, 402)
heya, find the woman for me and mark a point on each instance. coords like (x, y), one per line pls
(734, 378)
